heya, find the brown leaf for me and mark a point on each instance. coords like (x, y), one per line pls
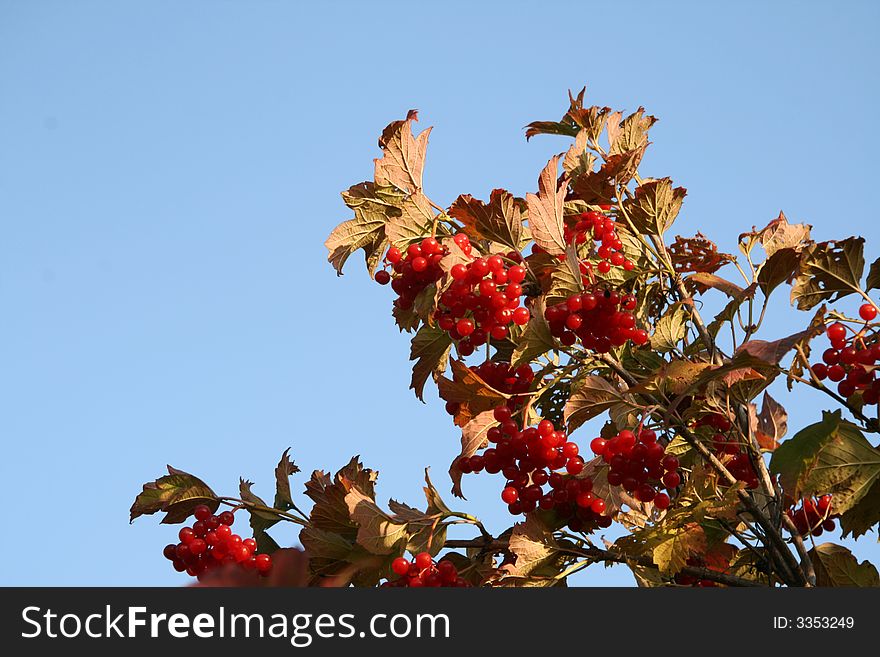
(533, 545)
(654, 206)
(591, 120)
(330, 512)
(500, 220)
(430, 349)
(473, 395)
(546, 210)
(631, 133)
(696, 254)
(373, 207)
(412, 224)
(403, 161)
(773, 352)
(836, 566)
(779, 234)
(473, 438)
(578, 161)
(772, 424)
(828, 271)
(701, 281)
(593, 396)
(283, 470)
(177, 494)
(600, 187)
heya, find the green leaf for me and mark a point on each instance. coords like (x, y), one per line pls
(837, 566)
(177, 494)
(546, 210)
(430, 349)
(864, 515)
(536, 339)
(670, 329)
(593, 396)
(655, 206)
(285, 468)
(500, 220)
(831, 456)
(828, 271)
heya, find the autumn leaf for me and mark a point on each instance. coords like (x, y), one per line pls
(533, 545)
(536, 340)
(176, 494)
(873, 280)
(285, 468)
(670, 555)
(702, 281)
(373, 207)
(378, 533)
(777, 269)
(330, 512)
(831, 456)
(780, 234)
(473, 438)
(670, 329)
(467, 389)
(696, 254)
(546, 210)
(593, 396)
(631, 133)
(430, 349)
(500, 220)
(772, 424)
(403, 156)
(828, 271)
(565, 278)
(837, 566)
(654, 206)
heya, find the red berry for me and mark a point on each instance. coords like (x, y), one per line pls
(202, 512)
(423, 560)
(661, 501)
(836, 331)
(509, 495)
(263, 563)
(465, 327)
(867, 312)
(382, 278)
(227, 518)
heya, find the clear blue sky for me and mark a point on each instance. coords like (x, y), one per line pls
(169, 171)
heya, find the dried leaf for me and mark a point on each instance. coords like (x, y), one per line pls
(696, 254)
(546, 210)
(403, 160)
(430, 349)
(631, 133)
(772, 424)
(500, 220)
(593, 396)
(473, 438)
(828, 271)
(654, 206)
(177, 494)
(284, 469)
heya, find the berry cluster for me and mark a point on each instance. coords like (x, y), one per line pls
(601, 229)
(739, 464)
(209, 543)
(601, 319)
(813, 516)
(850, 360)
(422, 571)
(502, 378)
(639, 464)
(483, 299)
(529, 459)
(416, 269)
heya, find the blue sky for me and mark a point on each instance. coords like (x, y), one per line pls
(169, 171)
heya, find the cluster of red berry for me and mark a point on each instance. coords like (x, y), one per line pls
(740, 465)
(601, 319)
(602, 230)
(639, 464)
(813, 516)
(502, 378)
(483, 299)
(416, 269)
(529, 459)
(209, 543)
(850, 361)
(422, 571)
